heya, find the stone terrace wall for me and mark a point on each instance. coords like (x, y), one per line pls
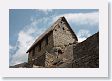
(86, 53)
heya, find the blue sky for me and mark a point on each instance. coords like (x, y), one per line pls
(25, 25)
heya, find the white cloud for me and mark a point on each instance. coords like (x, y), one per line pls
(10, 47)
(45, 11)
(81, 39)
(83, 34)
(26, 37)
(81, 18)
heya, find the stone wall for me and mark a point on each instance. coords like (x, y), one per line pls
(44, 47)
(62, 35)
(37, 54)
(50, 58)
(86, 53)
(40, 61)
(30, 57)
(58, 56)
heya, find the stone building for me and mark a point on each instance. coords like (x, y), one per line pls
(58, 47)
(49, 49)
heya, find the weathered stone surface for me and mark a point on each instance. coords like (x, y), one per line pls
(62, 35)
(37, 54)
(40, 61)
(58, 56)
(50, 58)
(66, 65)
(86, 53)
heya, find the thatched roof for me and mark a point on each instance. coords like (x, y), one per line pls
(48, 31)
